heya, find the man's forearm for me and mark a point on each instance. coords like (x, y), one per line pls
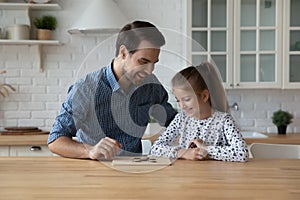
(67, 147)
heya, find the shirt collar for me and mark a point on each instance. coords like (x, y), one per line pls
(111, 78)
(113, 81)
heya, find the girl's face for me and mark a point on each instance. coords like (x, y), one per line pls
(191, 103)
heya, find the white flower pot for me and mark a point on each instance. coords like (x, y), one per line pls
(152, 129)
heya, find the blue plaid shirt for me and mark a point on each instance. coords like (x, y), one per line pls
(96, 107)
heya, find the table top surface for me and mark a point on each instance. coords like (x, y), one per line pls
(62, 178)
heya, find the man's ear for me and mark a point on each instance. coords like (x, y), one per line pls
(123, 52)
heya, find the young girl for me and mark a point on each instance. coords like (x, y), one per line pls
(203, 129)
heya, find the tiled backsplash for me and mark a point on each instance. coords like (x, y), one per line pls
(257, 106)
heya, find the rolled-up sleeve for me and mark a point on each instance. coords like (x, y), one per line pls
(64, 124)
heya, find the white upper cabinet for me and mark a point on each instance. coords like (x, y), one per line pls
(291, 35)
(245, 38)
(258, 44)
(211, 29)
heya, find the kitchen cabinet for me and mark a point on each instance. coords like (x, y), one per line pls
(245, 38)
(211, 30)
(4, 151)
(36, 43)
(24, 145)
(30, 150)
(291, 58)
(258, 44)
(25, 150)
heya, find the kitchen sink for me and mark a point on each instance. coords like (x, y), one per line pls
(253, 134)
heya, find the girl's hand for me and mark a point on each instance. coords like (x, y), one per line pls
(196, 151)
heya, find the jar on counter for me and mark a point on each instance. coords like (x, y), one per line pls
(18, 32)
(1, 35)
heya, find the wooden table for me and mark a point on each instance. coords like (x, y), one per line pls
(61, 178)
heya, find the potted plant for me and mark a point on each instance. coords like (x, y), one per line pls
(45, 25)
(281, 119)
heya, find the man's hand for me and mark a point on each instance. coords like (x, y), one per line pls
(106, 148)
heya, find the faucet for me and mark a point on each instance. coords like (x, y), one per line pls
(235, 106)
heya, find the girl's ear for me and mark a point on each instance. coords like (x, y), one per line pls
(205, 95)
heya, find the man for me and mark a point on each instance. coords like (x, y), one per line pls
(109, 109)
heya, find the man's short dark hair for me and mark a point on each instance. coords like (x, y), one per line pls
(133, 33)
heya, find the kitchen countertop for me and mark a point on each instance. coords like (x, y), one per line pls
(62, 178)
(274, 138)
(41, 139)
(38, 139)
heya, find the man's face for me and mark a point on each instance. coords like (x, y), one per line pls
(141, 63)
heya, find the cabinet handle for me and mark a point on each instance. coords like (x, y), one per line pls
(237, 84)
(35, 148)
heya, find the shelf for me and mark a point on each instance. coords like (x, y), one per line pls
(36, 43)
(31, 6)
(30, 42)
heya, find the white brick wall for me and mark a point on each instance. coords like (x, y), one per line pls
(257, 107)
(40, 94)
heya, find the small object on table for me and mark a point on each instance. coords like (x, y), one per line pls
(141, 160)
